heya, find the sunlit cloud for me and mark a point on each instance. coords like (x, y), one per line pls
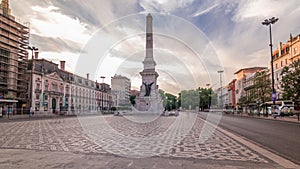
(188, 34)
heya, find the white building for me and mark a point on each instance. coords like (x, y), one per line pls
(120, 88)
(222, 99)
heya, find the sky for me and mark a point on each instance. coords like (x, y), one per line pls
(193, 39)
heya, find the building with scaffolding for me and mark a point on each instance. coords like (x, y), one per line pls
(13, 61)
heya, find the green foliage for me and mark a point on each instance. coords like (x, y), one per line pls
(262, 84)
(171, 101)
(243, 101)
(113, 108)
(201, 98)
(132, 99)
(205, 96)
(291, 81)
(189, 99)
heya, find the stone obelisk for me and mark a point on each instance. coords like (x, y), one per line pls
(149, 89)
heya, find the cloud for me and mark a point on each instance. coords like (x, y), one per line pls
(164, 6)
(261, 9)
(228, 29)
(50, 44)
(58, 25)
(204, 11)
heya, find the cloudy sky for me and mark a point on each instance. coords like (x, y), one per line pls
(193, 39)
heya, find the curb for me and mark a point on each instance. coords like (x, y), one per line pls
(274, 119)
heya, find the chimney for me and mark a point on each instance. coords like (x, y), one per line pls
(87, 76)
(279, 48)
(62, 65)
(36, 55)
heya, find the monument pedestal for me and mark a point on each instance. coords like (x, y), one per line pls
(151, 104)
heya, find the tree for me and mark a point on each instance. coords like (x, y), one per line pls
(179, 100)
(189, 99)
(132, 99)
(291, 81)
(262, 86)
(243, 101)
(205, 98)
(171, 101)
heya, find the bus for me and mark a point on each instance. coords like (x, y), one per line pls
(283, 107)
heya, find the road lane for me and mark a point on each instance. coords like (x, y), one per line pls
(280, 137)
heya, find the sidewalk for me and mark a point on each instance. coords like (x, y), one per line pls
(27, 116)
(270, 117)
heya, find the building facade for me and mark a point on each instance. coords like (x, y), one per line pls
(284, 55)
(13, 61)
(231, 95)
(55, 90)
(120, 86)
(240, 82)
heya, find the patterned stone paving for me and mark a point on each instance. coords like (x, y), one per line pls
(218, 146)
(133, 129)
(66, 134)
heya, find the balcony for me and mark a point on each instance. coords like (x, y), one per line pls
(38, 91)
(54, 93)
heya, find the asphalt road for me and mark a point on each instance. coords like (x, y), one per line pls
(280, 137)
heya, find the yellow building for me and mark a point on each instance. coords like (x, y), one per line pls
(284, 55)
(295, 47)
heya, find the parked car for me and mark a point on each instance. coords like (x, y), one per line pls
(117, 113)
(174, 113)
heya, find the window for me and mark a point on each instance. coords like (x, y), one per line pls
(276, 66)
(286, 61)
(37, 96)
(295, 51)
(38, 86)
(61, 88)
(281, 64)
(46, 97)
(79, 81)
(46, 106)
(54, 87)
(37, 106)
(67, 89)
(46, 86)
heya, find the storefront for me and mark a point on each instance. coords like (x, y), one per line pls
(7, 107)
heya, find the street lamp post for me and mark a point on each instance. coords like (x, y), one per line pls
(200, 92)
(102, 91)
(269, 22)
(32, 48)
(209, 96)
(221, 99)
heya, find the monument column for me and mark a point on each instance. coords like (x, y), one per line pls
(149, 63)
(149, 95)
(149, 75)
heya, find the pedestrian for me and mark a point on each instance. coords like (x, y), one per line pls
(1, 113)
(31, 112)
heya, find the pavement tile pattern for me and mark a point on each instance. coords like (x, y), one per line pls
(66, 134)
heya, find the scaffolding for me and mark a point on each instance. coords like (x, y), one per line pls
(14, 41)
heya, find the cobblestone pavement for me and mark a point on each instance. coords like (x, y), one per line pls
(67, 135)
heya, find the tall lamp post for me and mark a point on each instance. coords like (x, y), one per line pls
(221, 99)
(102, 91)
(269, 22)
(32, 48)
(209, 96)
